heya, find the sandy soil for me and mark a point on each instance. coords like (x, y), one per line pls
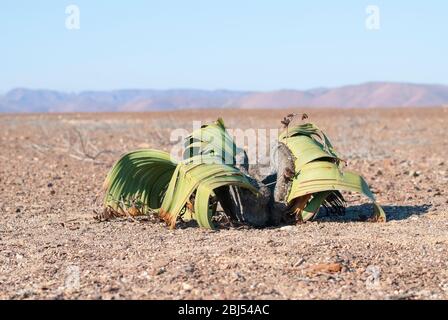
(51, 247)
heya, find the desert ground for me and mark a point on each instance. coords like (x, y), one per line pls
(51, 247)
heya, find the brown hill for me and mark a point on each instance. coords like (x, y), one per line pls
(373, 94)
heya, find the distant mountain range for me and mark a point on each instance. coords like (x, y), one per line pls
(373, 94)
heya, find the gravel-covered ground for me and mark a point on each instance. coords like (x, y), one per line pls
(51, 247)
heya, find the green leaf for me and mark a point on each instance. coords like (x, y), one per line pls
(317, 171)
(314, 205)
(212, 139)
(312, 131)
(141, 175)
(305, 149)
(200, 175)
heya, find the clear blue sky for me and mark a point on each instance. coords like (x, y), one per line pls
(244, 45)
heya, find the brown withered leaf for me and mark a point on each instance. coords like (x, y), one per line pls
(285, 122)
(376, 218)
(134, 211)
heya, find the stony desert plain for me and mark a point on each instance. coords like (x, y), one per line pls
(52, 167)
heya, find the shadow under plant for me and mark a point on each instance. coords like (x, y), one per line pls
(363, 212)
